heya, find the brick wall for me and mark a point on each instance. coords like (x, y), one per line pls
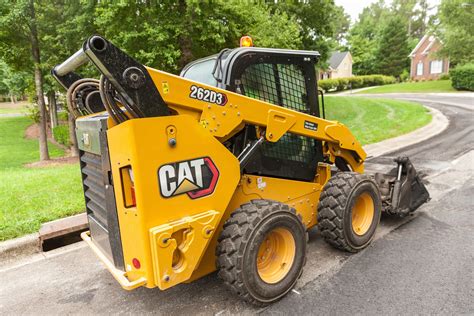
(425, 60)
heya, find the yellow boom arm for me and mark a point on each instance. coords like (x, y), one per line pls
(227, 118)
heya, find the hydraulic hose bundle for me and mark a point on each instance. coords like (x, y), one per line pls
(125, 90)
(82, 97)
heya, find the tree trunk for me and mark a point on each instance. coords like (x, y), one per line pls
(35, 51)
(72, 135)
(12, 98)
(53, 109)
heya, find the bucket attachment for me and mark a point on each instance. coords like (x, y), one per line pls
(401, 189)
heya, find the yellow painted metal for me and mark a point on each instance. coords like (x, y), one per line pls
(119, 275)
(276, 255)
(191, 226)
(362, 214)
(143, 145)
(224, 121)
(303, 196)
(175, 258)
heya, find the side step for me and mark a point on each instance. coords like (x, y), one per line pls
(402, 189)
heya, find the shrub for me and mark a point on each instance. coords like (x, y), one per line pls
(328, 84)
(62, 116)
(340, 84)
(61, 135)
(462, 77)
(444, 77)
(404, 75)
(33, 112)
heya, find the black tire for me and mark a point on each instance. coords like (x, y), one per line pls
(239, 245)
(336, 207)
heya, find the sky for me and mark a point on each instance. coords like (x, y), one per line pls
(354, 7)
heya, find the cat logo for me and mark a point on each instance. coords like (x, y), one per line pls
(197, 178)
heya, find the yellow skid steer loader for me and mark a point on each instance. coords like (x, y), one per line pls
(224, 167)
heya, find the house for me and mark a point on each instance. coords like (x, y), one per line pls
(425, 65)
(340, 66)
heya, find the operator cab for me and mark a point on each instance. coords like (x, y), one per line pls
(282, 77)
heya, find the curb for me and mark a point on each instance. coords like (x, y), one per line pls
(438, 124)
(18, 248)
(13, 249)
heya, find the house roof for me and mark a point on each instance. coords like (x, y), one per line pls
(337, 58)
(431, 38)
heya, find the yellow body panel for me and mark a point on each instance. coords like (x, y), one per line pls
(143, 145)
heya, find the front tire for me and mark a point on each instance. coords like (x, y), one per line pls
(349, 211)
(262, 251)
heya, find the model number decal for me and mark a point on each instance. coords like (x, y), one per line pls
(207, 95)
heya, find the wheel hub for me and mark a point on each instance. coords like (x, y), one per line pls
(276, 255)
(362, 214)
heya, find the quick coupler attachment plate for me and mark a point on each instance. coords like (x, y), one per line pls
(402, 189)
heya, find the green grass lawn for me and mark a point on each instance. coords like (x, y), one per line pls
(415, 87)
(9, 111)
(31, 196)
(373, 120)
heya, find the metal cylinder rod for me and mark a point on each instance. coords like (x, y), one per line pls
(69, 65)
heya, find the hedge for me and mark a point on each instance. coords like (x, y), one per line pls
(61, 134)
(355, 82)
(462, 77)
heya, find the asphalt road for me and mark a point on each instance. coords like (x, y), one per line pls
(420, 265)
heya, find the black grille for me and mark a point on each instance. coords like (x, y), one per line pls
(278, 84)
(94, 187)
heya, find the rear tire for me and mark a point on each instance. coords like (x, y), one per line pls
(262, 251)
(349, 211)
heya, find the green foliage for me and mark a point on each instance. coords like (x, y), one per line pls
(63, 116)
(321, 23)
(366, 36)
(456, 30)
(444, 77)
(462, 77)
(404, 75)
(33, 113)
(340, 84)
(393, 49)
(172, 34)
(61, 134)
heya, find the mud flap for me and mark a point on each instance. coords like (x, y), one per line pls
(402, 189)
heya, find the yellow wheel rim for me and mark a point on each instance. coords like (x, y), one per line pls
(276, 255)
(362, 214)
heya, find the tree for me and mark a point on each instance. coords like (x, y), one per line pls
(13, 83)
(393, 50)
(20, 47)
(456, 30)
(364, 37)
(170, 35)
(322, 23)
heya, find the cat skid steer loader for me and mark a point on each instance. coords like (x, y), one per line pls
(224, 167)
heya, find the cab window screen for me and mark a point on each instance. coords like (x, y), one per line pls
(283, 85)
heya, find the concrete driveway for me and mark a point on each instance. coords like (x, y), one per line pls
(422, 264)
